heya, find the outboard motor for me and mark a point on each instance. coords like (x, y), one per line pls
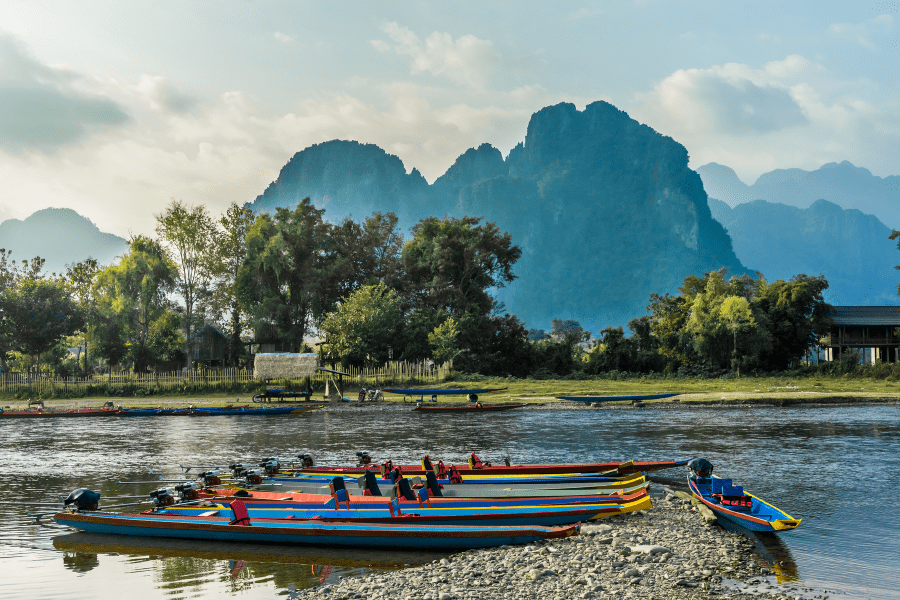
(163, 497)
(253, 476)
(236, 469)
(363, 458)
(210, 478)
(306, 460)
(271, 466)
(700, 467)
(83, 499)
(188, 491)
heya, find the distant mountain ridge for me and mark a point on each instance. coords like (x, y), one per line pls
(60, 236)
(850, 248)
(605, 209)
(842, 183)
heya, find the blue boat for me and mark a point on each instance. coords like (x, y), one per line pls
(730, 502)
(315, 532)
(640, 397)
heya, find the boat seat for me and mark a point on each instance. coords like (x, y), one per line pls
(370, 484)
(426, 464)
(395, 507)
(423, 497)
(434, 488)
(241, 515)
(405, 490)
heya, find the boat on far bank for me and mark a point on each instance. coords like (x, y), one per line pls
(467, 408)
(640, 397)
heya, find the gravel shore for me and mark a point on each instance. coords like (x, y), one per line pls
(671, 551)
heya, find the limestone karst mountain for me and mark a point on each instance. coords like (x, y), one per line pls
(605, 209)
(62, 237)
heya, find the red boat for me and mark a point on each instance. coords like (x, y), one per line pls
(477, 407)
(43, 413)
(477, 468)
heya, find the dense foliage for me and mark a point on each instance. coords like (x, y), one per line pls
(371, 297)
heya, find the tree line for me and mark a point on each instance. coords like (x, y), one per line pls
(371, 295)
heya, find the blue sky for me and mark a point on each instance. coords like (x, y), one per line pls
(114, 108)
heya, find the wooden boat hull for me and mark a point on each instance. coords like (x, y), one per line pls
(514, 470)
(762, 516)
(258, 498)
(547, 516)
(388, 535)
(440, 391)
(542, 482)
(467, 408)
(55, 413)
(615, 398)
(464, 490)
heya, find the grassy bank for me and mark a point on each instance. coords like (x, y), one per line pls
(774, 390)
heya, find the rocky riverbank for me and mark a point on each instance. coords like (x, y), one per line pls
(671, 551)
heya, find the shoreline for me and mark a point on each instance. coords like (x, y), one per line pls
(670, 551)
(711, 400)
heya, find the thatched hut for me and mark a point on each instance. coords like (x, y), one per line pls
(284, 365)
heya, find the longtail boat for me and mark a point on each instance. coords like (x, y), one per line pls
(395, 512)
(242, 528)
(732, 503)
(476, 468)
(465, 408)
(47, 413)
(441, 391)
(640, 397)
(465, 490)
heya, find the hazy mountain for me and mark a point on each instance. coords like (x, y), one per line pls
(842, 183)
(62, 237)
(605, 209)
(850, 248)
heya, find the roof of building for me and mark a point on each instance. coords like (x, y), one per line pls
(866, 315)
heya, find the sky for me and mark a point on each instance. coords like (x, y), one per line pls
(116, 108)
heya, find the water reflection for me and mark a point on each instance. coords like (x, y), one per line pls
(186, 564)
(80, 562)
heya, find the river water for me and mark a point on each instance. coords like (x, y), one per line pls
(838, 468)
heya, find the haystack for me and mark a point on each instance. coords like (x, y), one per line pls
(284, 365)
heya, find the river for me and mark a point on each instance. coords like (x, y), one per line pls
(838, 468)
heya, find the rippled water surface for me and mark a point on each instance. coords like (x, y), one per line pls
(837, 468)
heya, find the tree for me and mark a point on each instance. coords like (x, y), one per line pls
(363, 328)
(79, 280)
(735, 313)
(286, 281)
(42, 313)
(366, 253)
(134, 293)
(452, 264)
(188, 233)
(895, 235)
(225, 264)
(444, 341)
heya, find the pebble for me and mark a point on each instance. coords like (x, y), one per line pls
(675, 555)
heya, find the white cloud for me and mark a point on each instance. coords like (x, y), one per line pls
(467, 60)
(863, 33)
(282, 37)
(788, 113)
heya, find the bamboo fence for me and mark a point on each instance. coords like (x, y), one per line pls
(212, 380)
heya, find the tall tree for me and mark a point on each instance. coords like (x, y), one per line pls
(79, 280)
(453, 263)
(133, 293)
(735, 313)
(225, 264)
(187, 232)
(287, 278)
